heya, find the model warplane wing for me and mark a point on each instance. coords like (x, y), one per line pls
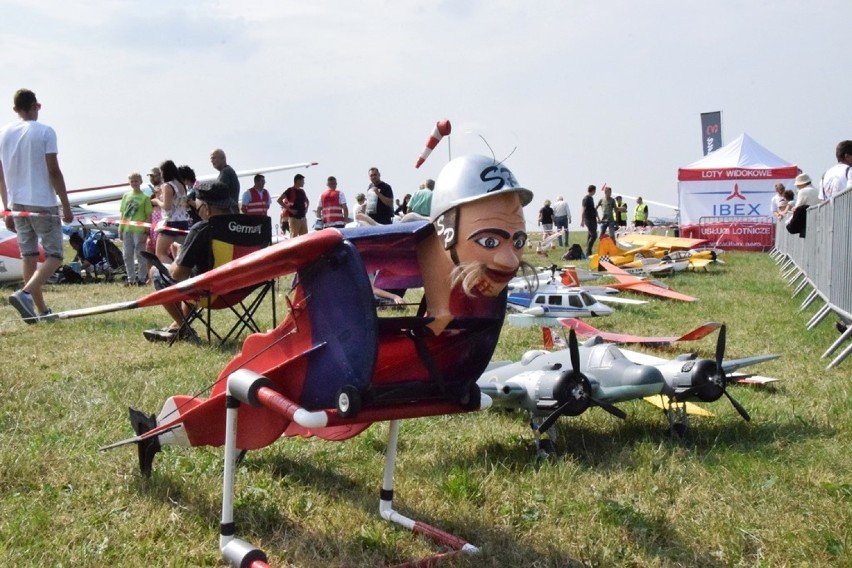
(277, 260)
(586, 330)
(663, 402)
(728, 366)
(629, 282)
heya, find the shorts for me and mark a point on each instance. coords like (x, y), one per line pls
(47, 228)
(546, 226)
(184, 225)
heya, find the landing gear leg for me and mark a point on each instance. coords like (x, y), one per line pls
(545, 445)
(439, 537)
(678, 419)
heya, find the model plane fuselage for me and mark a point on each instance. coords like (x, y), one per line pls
(534, 382)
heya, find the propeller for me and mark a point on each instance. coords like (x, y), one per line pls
(713, 384)
(574, 391)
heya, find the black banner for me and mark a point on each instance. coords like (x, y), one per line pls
(711, 131)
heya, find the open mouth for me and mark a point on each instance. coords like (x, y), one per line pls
(500, 276)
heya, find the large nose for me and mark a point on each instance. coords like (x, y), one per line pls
(507, 258)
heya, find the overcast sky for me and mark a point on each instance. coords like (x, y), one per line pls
(583, 92)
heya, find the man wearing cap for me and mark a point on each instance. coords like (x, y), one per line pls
(155, 179)
(30, 182)
(194, 257)
(839, 177)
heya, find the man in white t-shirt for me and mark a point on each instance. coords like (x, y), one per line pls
(30, 182)
(839, 177)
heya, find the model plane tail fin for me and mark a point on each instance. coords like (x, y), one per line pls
(547, 337)
(569, 276)
(700, 332)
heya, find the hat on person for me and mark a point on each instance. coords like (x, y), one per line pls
(217, 194)
(803, 179)
(154, 172)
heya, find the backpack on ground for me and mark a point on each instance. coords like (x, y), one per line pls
(575, 252)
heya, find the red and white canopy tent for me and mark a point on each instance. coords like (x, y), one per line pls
(725, 196)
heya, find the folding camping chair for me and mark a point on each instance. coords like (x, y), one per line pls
(233, 236)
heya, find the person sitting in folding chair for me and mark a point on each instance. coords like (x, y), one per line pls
(218, 238)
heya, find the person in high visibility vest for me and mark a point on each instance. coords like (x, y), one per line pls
(333, 208)
(640, 214)
(255, 200)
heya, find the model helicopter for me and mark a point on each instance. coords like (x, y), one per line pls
(570, 381)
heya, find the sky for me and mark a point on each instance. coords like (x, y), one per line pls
(574, 93)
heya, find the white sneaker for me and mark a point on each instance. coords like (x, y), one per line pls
(23, 302)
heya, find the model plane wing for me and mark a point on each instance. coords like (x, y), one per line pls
(662, 241)
(629, 282)
(663, 402)
(586, 330)
(274, 261)
(106, 193)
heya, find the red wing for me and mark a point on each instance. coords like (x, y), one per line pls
(586, 330)
(699, 332)
(274, 261)
(634, 284)
(648, 288)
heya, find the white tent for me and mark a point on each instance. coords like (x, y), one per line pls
(744, 152)
(734, 184)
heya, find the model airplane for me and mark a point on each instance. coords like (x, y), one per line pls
(10, 256)
(568, 382)
(332, 373)
(636, 284)
(645, 258)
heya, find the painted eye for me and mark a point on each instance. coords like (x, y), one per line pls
(488, 242)
(520, 242)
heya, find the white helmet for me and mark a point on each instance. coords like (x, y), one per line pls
(471, 178)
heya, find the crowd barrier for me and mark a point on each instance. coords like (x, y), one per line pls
(820, 261)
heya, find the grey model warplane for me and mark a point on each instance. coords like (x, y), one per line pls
(550, 384)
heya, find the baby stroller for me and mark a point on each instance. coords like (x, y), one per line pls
(98, 254)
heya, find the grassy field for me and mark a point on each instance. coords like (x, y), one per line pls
(773, 492)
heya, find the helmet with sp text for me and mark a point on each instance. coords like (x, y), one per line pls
(471, 178)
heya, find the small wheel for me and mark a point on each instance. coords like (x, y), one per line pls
(546, 446)
(678, 430)
(348, 401)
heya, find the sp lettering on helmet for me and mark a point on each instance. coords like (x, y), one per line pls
(471, 178)
(445, 227)
(498, 177)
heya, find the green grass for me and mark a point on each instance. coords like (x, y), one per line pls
(773, 492)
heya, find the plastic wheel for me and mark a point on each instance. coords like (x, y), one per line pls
(348, 401)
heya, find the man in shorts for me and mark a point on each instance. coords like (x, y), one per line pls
(30, 182)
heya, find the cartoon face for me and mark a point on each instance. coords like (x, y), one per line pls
(491, 235)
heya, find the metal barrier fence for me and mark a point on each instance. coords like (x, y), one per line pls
(820, 261)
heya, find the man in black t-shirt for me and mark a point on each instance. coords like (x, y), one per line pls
(195, 255)
(589, 218)
(296, 202)
(379, 198)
